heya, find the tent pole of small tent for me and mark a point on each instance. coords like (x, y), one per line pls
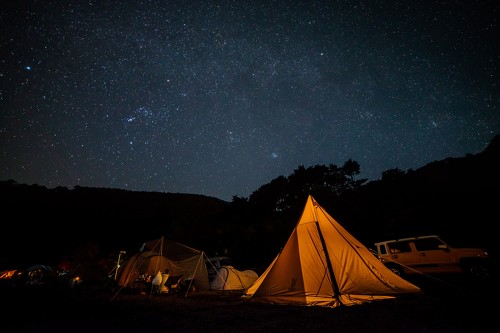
(197, 266)
(118, 263)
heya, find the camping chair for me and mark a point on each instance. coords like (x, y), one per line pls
(173, 283)
(163, 289)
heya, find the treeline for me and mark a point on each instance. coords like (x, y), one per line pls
(455, 197)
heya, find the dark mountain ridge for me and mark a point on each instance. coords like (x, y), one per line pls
(41, 225)
(454, 197)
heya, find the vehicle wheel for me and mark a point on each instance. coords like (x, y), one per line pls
(477, 270)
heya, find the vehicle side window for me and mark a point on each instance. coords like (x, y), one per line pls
(399, 247)
(382, 249)
(427, 244)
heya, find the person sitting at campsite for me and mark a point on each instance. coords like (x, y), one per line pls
(147, 280)
(142, 283)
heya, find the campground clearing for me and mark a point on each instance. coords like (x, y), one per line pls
(446, 305)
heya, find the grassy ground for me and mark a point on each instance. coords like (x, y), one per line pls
(446, 305)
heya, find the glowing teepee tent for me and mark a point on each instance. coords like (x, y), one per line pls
(323, 265)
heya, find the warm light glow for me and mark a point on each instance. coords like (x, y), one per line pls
(7, 274)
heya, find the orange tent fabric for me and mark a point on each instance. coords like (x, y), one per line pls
(323, 265)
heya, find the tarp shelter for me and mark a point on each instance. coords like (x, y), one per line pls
(160, 255)
(323, 265)
(229, 278)
(139, 266)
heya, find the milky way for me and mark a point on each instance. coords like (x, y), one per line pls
(220, 97)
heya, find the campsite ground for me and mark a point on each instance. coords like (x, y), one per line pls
(446, 305)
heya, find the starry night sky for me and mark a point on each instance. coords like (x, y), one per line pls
(220, 97)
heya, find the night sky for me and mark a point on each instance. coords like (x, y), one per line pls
(220, 97)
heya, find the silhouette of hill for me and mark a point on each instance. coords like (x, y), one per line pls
(455, 197)
(43, 224)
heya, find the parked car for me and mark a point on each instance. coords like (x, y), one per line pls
(431, 255)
